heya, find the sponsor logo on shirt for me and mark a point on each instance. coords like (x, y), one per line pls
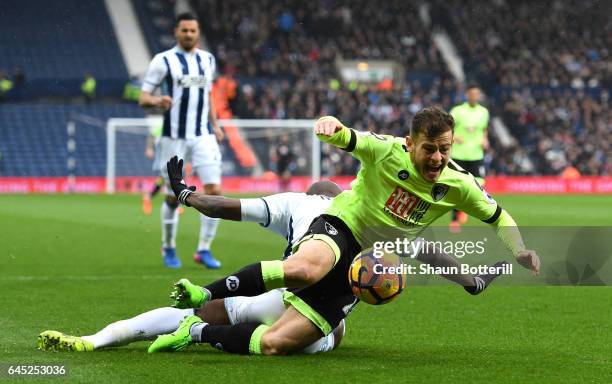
(188, 81)
(405, 207)
(403, 174)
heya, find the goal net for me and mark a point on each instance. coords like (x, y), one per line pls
(252, 148)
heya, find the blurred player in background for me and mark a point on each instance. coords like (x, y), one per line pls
(284, 161)
(471, 141)
(187, 73)
(152, 153)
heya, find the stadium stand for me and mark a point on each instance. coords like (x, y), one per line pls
(33, 140)
(548, 67)
(554, 98)
(57, 50)
(156, 19)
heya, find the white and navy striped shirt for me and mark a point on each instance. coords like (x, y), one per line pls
(290, 214)
(187, 77)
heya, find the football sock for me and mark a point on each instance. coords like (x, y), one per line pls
(239, 338)
(169, 220)
(156, 188)
(454, 215)
(436, 258)
(481, 282)
(251, 280)
(142, 327)
(324, 344)
(208, 229)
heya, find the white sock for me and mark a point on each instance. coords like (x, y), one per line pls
(208, 230)
(324, 344)
(169, 221)
(142, 327)
(196, 331)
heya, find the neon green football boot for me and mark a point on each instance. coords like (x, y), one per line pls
(57, 341)
(188, 295)
(177, 340)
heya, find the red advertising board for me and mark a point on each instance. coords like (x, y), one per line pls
(494, 185)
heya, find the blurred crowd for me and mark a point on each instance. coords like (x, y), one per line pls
(548, 66)
(545, 66)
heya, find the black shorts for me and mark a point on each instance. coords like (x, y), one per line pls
(475, 167)
(330, 298)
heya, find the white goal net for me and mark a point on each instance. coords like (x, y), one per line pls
(251, 148)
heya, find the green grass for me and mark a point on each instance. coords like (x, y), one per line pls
(76, 263)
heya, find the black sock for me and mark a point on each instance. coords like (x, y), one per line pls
(246, 282)
(230, 338)
(455, 214)
(155, 190)
(481, 282)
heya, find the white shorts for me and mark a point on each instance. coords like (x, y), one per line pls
(157, 158)
(202, 152)
(265, 308)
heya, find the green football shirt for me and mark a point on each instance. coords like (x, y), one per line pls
(470, 124)
(390, 198)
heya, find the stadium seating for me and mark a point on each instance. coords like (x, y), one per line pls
(156, 19)
(57, 50)
(33, 141)
(554, 98)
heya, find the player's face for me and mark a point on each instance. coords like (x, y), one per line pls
(187, 34)
(473, 95)
(430, 154)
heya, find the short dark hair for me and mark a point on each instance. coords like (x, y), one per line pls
(325, 188)
(472, 86)
(185, 16)
(431, 122)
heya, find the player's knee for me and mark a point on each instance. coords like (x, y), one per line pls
(212, 189)
(213, 313)
(301, 272)
(274, 344)
(172, 202)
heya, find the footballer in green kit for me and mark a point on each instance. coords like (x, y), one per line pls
(403, 186)
(470, 142)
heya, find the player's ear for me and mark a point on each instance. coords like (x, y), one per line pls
(409, 143)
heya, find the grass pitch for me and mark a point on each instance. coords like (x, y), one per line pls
(76, 263)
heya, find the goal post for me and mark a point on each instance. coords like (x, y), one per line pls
(251, 143)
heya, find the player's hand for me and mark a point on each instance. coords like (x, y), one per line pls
(530, 260)
(218, 133)
(165, 102)
(327, 126)
(458, 139)
(485, 144)
(149, 153)
(175, 175)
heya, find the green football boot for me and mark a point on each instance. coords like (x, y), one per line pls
(188, 295)
(57, 341)
(178, 339)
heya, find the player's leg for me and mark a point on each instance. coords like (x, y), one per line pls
(291, 333)
(473, 284)
(320, 266)
(265, 308)
(142, 327)
(169, 211)
(313, 260)
(207, 165)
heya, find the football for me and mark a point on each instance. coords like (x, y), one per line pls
(371, 279)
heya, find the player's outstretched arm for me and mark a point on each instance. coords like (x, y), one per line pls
(212, 206)
(508, 232)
